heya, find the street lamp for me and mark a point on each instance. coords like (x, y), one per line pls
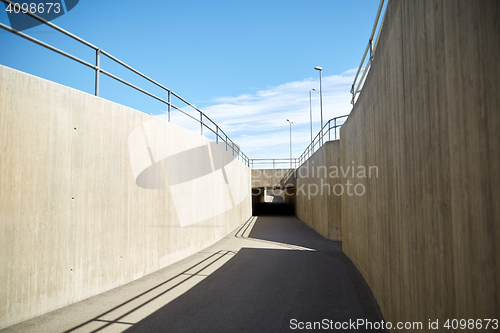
(320, 99)
(290, 142)
(310, 114)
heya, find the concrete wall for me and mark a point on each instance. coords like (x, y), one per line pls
(425, 235)
(94, 195)
(270, 178)
(318, 190)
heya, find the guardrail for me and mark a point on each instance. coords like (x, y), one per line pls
(330, 129)
(275, 162)
(338, 121)
(370, 47)
(203, 118)
(333, 125)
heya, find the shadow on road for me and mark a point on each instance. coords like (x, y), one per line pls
(271, 290)
(273, 274)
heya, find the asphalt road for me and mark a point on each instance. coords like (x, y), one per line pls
(274, 274)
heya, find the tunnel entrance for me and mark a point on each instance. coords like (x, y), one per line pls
(271, 202)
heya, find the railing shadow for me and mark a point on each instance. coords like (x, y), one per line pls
(263, 288)
(154, 292)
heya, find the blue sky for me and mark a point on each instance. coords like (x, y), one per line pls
(248, 65)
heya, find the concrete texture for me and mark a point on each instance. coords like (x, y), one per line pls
(425, 234)
(270, 178)
(94, 195)
(318, 188)
(257, 279)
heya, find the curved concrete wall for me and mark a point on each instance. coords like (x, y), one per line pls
(94, 195)
(425, 234)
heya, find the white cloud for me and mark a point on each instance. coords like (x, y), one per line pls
(257, 122)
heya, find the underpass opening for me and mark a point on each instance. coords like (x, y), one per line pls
(272, 201)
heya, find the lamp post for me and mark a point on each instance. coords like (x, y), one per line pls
(311, 115)
(290, 142)
(320, 99)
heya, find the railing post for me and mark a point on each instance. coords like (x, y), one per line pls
(216, 134)
(98, 65)
(329, 129)
(371, 46)
(201, 123)
(335, 127)
(169, 103)
(352, 93)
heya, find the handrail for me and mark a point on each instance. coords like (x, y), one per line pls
(317, 141)
(273, 161)
(219, 133)
(370, 47)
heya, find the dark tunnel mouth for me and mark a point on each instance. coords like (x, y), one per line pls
(262, 208)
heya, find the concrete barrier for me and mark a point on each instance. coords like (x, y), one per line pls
(425, 234)
(318, 189)
(270, 178)
(94, 195)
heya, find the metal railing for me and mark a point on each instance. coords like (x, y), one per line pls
(333, 125)
(281, 163)
(371, 48)
(330, 129)
(338, 121)
(204, 120)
